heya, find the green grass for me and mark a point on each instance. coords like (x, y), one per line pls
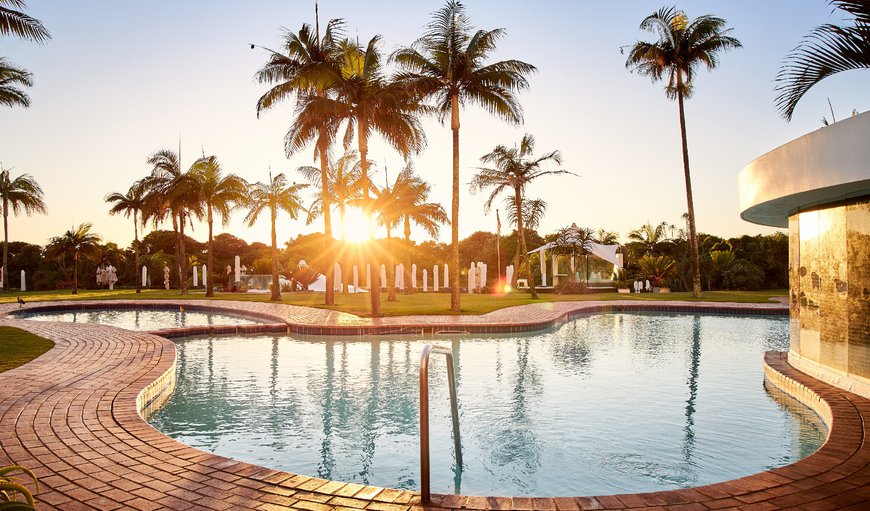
(18, 347)
(419, 303)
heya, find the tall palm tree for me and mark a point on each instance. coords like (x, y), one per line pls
(449, 63)
(173, 193)
(77, 241)
(20, 194)
(827, 50)
(274, 196)
(683, 45)
(533, 211)
(514, 168)
(14, 21)
(131, 203)
(650, 236)
(345, 177)
(308, 68)
(219, 194)
(412, 206)
(11, 78)
(605, 237)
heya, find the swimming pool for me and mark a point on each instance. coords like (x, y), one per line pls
(606, 403)
(141, 319)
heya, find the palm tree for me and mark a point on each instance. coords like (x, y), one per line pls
(449, 63)
(605, 237)
(682, 46)
(172, 193)
(412, 206)
(827, 50)
(573, 241)
(533, 211)
(218, 194)
(10, 78)
(514, 169)
(77, 241)
(650, 236)
(276, 195)
(21, 193)
(309, 69)
(133, 202)
(345, 176)
(16, 22)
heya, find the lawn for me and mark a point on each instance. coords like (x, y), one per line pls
(18, 347)
(419, 303)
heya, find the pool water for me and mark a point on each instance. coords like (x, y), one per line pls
(142, 319)
(602, 404)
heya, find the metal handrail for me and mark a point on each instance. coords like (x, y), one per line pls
(424, 415)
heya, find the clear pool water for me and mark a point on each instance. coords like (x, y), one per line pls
(142, 319)
(602, 404)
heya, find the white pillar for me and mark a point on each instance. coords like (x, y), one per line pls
(425, 280)
(144, 276)
(238, 269)
(435, 280)
(509, 274)
(472, 282)
(336, 278)
(446, 276)
(481, 276)
(23, 281)
(355, 279)
(555, 270)
(413, 276)
(383, 282)
(369, 276)
(544, 271)
(195, 276)
(397, 277)
(204, 276)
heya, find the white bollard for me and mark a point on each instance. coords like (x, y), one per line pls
(204, 276)
(336, 278)
(144, 276)
(383, 282)
(425, 281)
(400, 277)
(472, 280)
(23, 281)
(435, 280)
(195, 277)
(355, 279)
(446, 274)
(413, 276)
(238, 270)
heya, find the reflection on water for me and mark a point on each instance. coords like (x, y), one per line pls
(602, 404)
(149, 319)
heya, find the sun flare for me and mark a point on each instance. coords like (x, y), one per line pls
(356, 226)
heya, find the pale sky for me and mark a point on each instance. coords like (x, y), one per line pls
(120, 80)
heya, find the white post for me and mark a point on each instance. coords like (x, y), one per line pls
(509, 274)
(471, 280)
(555, 270)
(204, 276)
(23, 281)
(144, 276)
(383, 282)
(481, 276)
(544, 271)
(413, 276)
(336, 278)
(397, 277)
(369, 276)
(446, 273)
(435, 280)
(425, 280)
(238, 270)
(355, 279)
(195, 276)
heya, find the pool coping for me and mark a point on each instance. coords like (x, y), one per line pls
(73, 415)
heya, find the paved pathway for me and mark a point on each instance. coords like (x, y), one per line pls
(72, 416)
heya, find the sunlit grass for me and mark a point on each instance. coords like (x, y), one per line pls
(418, 303)
(18, 347)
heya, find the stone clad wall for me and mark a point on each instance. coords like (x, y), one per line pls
(829, 271)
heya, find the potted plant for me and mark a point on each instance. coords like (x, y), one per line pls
(657, 269)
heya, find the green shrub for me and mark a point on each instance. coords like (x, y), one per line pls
(743, 276)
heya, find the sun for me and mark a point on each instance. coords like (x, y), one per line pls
(356, 226)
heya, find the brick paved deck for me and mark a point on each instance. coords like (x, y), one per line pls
(72, 415)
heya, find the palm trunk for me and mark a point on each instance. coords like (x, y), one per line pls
(329, 298)
(136, 270)
(516, 274)
(375, 291)
(345, 277)
(5, 244)
(454, 210)
(391, 269)
(177, 244)
(182, 262)
(693, 237)
(518, 198)
(209, 285)
(409, 289)
(276, 284)
(75, 273)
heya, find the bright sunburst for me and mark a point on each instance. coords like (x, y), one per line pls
(356, 226)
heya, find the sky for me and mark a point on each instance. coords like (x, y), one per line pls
(121, 80)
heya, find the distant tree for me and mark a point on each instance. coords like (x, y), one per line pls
(449, 63)
(76, 242)
(683, 46)
(572, 241)
(605, 237)
(130, 203)
(19, 194)
(829, 49)
(650, 236)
